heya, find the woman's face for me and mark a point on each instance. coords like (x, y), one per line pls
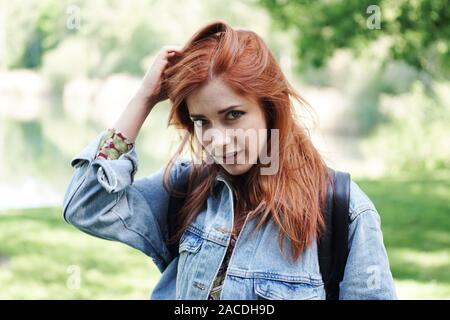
(226, 123)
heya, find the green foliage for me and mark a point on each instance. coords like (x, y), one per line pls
(114, 37)
(42, 29)
(415, 138)
(418, 31)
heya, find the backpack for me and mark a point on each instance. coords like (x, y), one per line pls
(332, 245)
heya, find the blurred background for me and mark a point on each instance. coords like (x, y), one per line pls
(375, 72)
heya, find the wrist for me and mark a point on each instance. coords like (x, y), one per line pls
(143, 100)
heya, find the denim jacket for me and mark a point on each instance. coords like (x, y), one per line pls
(103, 199)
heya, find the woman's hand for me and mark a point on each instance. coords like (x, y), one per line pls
(151, 88)
(150, 93)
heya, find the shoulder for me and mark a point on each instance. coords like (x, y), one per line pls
(183, 167)
(360, 203)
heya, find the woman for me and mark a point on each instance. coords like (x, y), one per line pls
(250, 221)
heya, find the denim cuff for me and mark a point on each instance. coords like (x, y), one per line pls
(113, 175)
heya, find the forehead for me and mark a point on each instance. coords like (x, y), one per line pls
(212, 96)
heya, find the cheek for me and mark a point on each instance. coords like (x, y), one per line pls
(254, 144)
(262, 140)
(200, 136)
(260, 136)
(201, 144)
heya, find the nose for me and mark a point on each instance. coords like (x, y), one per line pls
(220, 140)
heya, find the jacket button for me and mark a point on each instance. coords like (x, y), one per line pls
(199, 285)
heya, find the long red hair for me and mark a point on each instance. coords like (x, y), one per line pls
(294, 197)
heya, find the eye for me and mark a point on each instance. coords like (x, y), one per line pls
(235, 114)
(199, 122)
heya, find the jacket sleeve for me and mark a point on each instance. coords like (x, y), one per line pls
(367, 273)
(104, 200)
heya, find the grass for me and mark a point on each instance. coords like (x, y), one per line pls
(40, 255)
(43, 256)
(415, 217)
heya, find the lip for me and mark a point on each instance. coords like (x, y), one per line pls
(231, 155)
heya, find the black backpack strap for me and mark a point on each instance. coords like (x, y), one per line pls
(333, 245)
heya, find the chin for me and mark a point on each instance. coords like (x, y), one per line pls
(236, 169)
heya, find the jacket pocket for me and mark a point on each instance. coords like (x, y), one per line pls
(270, 289)
(190, 244)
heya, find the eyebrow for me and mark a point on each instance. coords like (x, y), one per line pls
(218, 112)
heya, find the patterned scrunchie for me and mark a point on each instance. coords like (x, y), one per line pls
(113, 145)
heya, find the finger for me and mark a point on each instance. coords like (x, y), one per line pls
(170, 48)
(173, 55)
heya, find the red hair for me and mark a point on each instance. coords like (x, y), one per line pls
(294, 197)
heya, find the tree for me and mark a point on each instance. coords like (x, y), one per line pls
(418, 31)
